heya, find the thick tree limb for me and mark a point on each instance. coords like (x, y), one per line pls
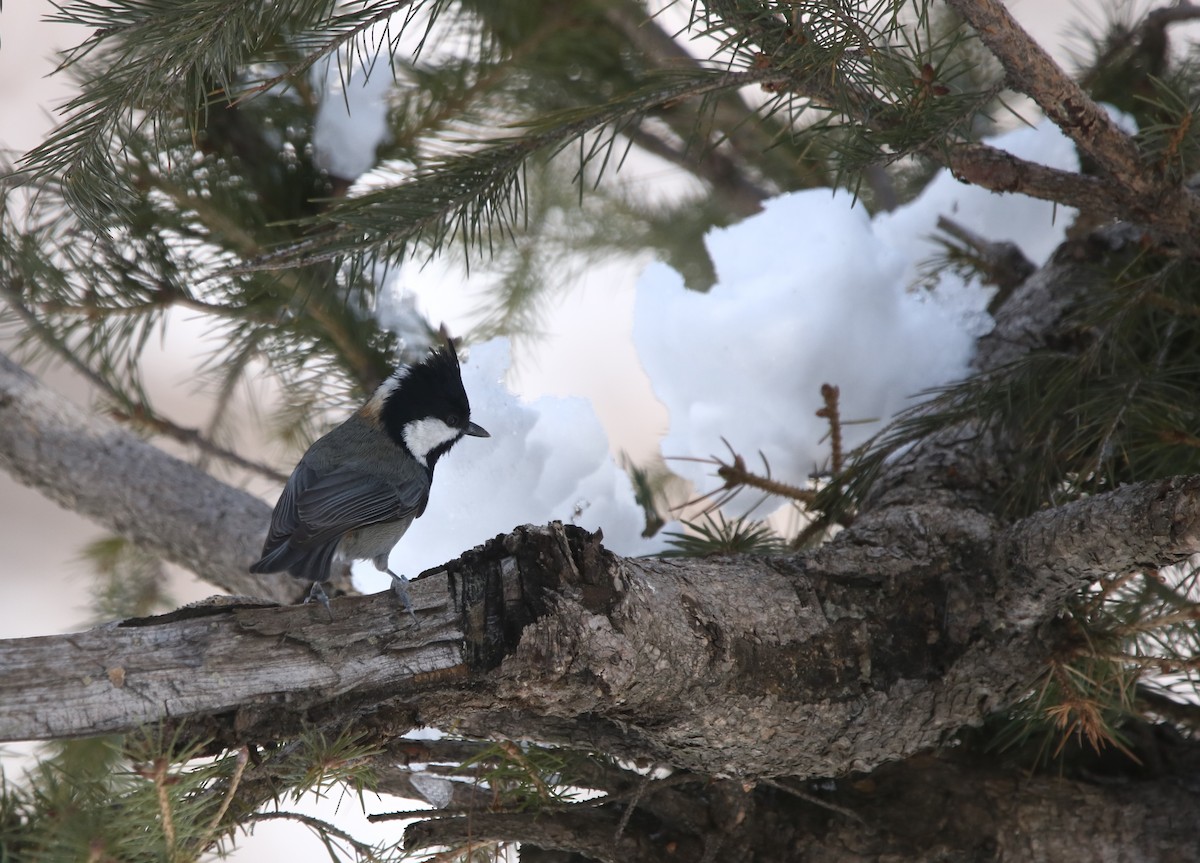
(927, 809)
(837, 660)
(922, 617)
(211, 660)
(1147, 525)
(92, 466)
(918, 810)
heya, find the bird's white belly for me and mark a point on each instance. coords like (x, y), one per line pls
(373, 542)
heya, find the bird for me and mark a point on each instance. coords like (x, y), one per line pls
(357, 489)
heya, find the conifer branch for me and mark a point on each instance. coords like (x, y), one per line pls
(1140, 193)
(132, 488)
(307, 291)
(161, 777)
(1185, 713)
(512, 752)
(1032, 71)
(137, 413)
(463, 197)
(321, 827)
(1174, 210)
(736, 474)
(849, 814)
(751, 135)
(329, 37)
(999, 263)
(231, 788)
(744, 196)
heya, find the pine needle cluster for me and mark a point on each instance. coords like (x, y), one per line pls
(150, 797)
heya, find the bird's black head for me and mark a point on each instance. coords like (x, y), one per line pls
(424, 408)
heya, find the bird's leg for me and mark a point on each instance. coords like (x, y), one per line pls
(317, 594)
(400, 588)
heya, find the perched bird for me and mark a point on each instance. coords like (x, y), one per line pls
(359, 487)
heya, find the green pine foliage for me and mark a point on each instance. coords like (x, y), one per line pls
(187, 178)
(712, 535)
(152, 798)
(524, 778)
(1114, 402)
(97, 800)
(129, 582)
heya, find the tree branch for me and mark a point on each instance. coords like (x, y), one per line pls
(142, 413)
(925, 808)
(785, 666)
(945, 809)
(743, 197)
(591, 833)
(751, 136)
(1145, 525)
(92, 466)
(1032, 71)
(748, 666)
(999, 171)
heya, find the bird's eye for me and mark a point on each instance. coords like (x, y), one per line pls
(453, 420)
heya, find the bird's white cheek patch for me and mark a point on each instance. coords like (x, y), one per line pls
(422, 436)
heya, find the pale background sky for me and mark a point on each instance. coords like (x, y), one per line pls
(42, 543)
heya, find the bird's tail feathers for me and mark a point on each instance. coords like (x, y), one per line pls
(316, 565)
(312, 564)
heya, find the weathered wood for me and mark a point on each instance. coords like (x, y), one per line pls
(836, 660)
(242, 659)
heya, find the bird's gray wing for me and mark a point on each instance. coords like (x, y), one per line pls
(346, 499)
(277, 553)
(285, 519)
(315, 511)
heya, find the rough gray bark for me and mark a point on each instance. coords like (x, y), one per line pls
(840, 660)
(92, 466)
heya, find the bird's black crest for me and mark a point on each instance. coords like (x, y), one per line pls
(431, 388)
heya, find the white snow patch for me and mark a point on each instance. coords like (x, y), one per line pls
(811, 291)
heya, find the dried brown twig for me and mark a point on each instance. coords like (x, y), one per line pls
(830, 394)
(737, 476)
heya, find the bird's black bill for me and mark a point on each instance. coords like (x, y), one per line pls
(476, 430)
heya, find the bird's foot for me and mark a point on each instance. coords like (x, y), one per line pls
(400, 588)
(317, 594)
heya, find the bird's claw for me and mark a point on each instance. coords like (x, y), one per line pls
(317, 594)
(400, 588)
